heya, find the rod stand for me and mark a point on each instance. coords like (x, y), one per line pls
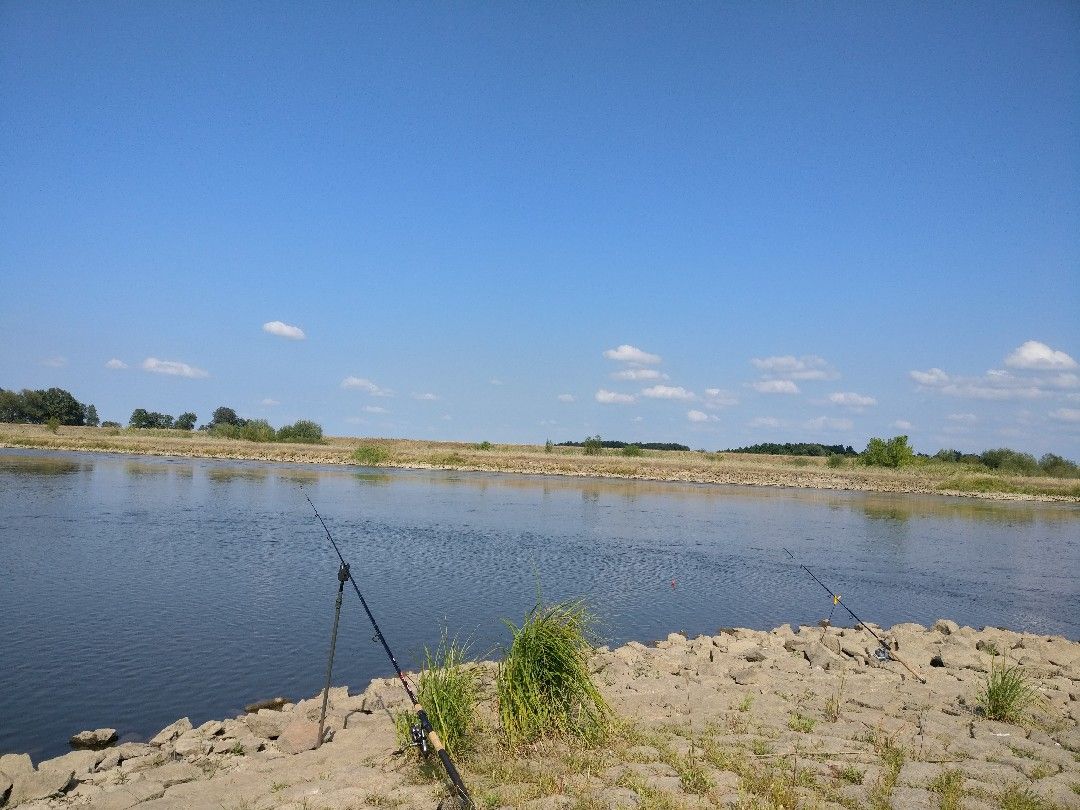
(342, 577)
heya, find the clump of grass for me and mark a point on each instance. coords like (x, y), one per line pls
(747, 703)
(801, 723)
(543, 683)
(632, 450)
(1017, 797)
(852, 775)
(833, 704)
(448, 691)
(1006, 693)
(484, 445)
(371, 454)
(950, 784)
(446, 460)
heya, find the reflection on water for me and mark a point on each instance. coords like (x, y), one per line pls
(141, 589)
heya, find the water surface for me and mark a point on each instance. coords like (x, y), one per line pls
(135, 590)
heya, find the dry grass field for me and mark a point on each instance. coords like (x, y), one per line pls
(650, 465)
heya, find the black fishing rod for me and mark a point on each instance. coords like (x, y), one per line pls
(428, 732)
(836, 601)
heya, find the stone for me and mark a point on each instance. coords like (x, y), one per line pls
(129, 750)
(267, 723)
(173, 773)
(818, 655)
(16, 765)
(110, 760)
(171, 732)
(98, 738)
(273, 704)
(946, 627)
(40, 785)
(211, 728)
(80, 763)
(5, 788)
(191, 743)
(297, 736)
(748, 676)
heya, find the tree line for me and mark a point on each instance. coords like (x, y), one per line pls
(796, 449)
(226, 424)
(45, 406)
(897, 452)
(597, 442)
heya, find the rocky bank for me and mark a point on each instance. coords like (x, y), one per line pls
(784, 718)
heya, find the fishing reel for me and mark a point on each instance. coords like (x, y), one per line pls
(418, 738)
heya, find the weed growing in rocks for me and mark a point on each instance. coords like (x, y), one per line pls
(950, 784)
(1006, 693)
(852, 775)
(801, 723)
(1017, 797)
(543, 683)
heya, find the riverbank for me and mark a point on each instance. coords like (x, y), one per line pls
(783, 718)
(651, 465)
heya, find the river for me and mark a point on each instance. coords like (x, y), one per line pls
(135, 590)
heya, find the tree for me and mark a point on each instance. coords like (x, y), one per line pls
(593, 445)
(226, 416)
(90, 416)
(185, 421)
(141, 418)
(896, 452)
(61, 405)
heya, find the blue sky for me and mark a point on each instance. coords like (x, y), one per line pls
(800, 223)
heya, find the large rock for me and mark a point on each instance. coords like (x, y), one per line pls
(5, 788)
(191, 743)
(297, 736)
(267, 723)
(818, 655)
(80, 763)
(40, 785)
(171, 732)
(98, 738)
(16, 765)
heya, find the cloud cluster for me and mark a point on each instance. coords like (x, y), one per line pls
(1038, 356)
(605, 397)
(775, 387)
(1002, 384)
(366, 385)
(631, 354)
(849, 399)
(668, 392)
(789, 367)
(284, 330)
(172, 368)
(116, 364)
(638, 374)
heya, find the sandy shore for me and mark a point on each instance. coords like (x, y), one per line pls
(675, 466)
(783, 718)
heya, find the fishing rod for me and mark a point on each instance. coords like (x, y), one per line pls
(428, 735)
(836, 601)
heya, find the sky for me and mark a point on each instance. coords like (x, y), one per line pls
(707, 223)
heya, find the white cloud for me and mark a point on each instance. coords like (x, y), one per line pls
(426, 397)
(566, 398)
(809, 367)
(766, 422)
(1066, 380)
(1066, 414)
(173, 368)
(775, 387)
(612, 398)
(284, 330)
(638, 374)
(699, 416)
(932, 378)
(828, 423)
(850, 399)
(963, 418)
(631, 354)
(116, 363)
(902, 424)
(270, 402)
(496, 381)
(1035, 355)
(374, 409)
(668, 392)
(364, 384)
(716, 397)
(56, 361)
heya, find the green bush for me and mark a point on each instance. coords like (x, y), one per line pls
(1010, 461)
(302, 431)
(224, 430)
(836, 460)
(1058, 467)
(53, 424)
(549, 446)
(896, 452)
(632, 450)
(543, 683)
(258, 430)
(484, 446)
(371, 454)
(593, 445)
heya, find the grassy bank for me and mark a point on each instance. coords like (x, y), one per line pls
(926, 476)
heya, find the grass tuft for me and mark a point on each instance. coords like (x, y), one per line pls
(543, 683)
(1007, 692)
(371, 455)
(950, 784)
(448, 690)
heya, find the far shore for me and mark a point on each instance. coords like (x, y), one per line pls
(652, 465)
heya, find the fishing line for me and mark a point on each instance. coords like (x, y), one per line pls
(429, 735)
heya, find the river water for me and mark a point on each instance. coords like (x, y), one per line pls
(136, 590)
